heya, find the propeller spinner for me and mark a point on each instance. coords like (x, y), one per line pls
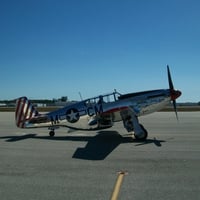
(173, 93)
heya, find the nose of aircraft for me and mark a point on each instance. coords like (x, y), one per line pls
(175, 94)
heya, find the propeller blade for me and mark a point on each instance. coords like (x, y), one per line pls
(171, 86)
(173, 93)
(175, 109)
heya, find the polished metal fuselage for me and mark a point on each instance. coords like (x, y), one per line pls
(96, 113)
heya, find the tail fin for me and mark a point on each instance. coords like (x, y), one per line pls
(24, 111)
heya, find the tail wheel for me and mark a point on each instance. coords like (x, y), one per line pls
(51, 133)
(144, 136)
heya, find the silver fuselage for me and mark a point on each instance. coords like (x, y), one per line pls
(91, 114)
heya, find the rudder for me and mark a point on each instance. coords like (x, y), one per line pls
(24, 111)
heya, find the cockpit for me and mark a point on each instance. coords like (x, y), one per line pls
(101, 99)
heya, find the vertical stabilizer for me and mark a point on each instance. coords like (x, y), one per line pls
(24, 111)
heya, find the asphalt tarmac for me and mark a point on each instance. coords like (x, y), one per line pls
(85, 165)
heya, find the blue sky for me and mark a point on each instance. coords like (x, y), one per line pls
(54, 48)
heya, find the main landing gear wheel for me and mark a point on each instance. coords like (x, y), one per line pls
(144, 136)
(51, 133)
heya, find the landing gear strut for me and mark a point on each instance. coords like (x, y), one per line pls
(131, 124)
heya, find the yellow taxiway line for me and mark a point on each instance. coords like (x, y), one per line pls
(118, 184)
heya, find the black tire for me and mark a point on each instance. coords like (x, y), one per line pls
(144, 137)
(51, 133)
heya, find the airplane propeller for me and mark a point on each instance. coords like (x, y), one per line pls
(173, 93)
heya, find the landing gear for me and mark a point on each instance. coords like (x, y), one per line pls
(143, 136)
(51, 133)
(52, 130)
(131, 124)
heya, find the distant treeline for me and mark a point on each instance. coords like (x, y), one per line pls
(50, 102)
(37, 101)
(43, 101)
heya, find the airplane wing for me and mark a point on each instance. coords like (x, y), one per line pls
(129, 116)
(121, 113)
(108, 117)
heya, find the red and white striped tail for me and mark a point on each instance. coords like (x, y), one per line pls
(24, 111)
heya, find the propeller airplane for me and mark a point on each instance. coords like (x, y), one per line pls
(100, 112)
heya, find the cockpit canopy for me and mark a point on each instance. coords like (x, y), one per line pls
(106, 98)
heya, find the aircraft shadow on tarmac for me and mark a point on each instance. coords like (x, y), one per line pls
(98, 147)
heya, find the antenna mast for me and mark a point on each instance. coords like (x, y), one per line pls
(80, 96)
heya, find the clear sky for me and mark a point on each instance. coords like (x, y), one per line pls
(54, 48)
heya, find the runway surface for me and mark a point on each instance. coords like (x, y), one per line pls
(85, 165)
